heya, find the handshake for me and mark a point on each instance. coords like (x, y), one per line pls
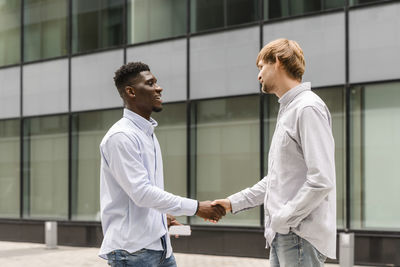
(213, 210)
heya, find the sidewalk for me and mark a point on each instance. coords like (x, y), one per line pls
(15, 254)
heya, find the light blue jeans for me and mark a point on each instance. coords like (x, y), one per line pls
(141, 258)
(290, 250)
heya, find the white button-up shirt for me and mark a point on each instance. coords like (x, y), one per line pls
(133, 203)
(299, 192)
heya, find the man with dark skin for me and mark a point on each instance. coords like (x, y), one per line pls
(133, 202)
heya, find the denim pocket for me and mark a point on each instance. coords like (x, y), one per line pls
(120, 255)
(117, 258)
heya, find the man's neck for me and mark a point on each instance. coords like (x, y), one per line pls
(285, 86)
(145, 115)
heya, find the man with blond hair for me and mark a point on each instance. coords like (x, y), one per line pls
(299, 192)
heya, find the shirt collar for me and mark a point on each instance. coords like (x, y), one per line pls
(292, 93)
(146, 126)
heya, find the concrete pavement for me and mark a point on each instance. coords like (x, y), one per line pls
(16, 254)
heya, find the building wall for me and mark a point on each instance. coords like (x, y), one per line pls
(57, 100)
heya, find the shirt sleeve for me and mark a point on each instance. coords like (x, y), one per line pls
(249, 197)
(123, 157)
(318, 150)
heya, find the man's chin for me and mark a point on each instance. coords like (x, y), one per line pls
(157, 109)
(266, 90)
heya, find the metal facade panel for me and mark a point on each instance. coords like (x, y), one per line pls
(10, 92)
(45, 87)
(374, 38)
(322, 39)
(92, 83)
(167, 61)
(224, 63)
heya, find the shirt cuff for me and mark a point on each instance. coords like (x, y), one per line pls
(189, 206)
(198, 206)
(235, 202)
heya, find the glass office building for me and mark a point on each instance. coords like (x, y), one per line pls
(57, 100)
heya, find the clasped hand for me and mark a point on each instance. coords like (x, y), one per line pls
(213, 211)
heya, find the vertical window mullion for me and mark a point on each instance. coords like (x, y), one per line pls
(21, 112)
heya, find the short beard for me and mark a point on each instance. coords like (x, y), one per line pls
(267, 90)
(156, 109)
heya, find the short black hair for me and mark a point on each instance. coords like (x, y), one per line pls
(127, 72)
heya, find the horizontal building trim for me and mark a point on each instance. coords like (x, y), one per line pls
(44, 60)
(226, 29)
(100, 50)
(374, 248)
(157, 41)
(10, 66)
(374, 82)
(45, 115)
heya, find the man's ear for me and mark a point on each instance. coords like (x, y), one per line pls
(130, 91)
(278, 63)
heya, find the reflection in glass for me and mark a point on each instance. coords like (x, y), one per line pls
(227, 148)
(155, 19)
(211, 14)
(329, 4)
(375, 131)
(9, 168)
(278, 8)
(334, 99)
(88, 129)
(45, 29)
(298, 7)
(45, 147)
(357, 2)
(171, 134)
(96, 24)
(10, 31)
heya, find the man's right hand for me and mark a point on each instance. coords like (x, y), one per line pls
(226, 203)
(210, 212)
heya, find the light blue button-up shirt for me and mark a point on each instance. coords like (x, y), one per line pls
(299, 192)
(133, 202)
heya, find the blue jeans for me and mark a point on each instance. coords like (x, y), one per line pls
(141, 258)
(290, 250)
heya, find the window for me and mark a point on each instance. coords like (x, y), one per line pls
(45, 29)
(10, 32)
(171, 134)
(96, 24)
(45, 147)
(357, 2)
(278, 8)
(211, 14)
(329, 4)
(9, 168)
(88, 129)
(375, 131)
(334, 99)
(155, 19)
(226, 142)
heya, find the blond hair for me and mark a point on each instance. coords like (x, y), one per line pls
(289, 54)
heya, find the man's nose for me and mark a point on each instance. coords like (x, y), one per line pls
(159, 88)
(259, 77)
